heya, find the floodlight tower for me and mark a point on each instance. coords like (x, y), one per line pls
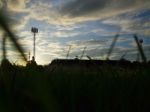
(34, 31)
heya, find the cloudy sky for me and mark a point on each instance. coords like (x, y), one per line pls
(80, 23)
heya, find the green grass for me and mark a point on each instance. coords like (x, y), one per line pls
(74, 89)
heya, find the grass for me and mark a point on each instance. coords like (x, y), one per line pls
(74, 89)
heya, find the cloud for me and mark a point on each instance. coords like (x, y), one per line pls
(42, 11)
(90, 23)
(71, 12)
(17, 5)
(64, 34)
(45, 11)
(74, 11)
(87, 43)
(135, 22)
(80, 7)
(49, 51)
(76, 8)
(147, 32)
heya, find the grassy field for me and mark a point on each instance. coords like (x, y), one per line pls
(105, 88)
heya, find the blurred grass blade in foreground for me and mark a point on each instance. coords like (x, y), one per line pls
(140, 49)
(112, 46)
(4, 46)
(6, 28)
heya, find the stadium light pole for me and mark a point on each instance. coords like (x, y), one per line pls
(34, 31)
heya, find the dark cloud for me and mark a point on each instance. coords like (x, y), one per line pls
(79, 7)
(91, 42)
(84, 7)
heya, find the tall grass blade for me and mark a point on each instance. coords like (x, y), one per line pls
(89, 57)
(68, 51)
(12, 37)
(83, 53)
(112, 46)
(122, 57)
(139, 46)
(4, 46)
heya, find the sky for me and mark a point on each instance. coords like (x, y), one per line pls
(78, 23)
